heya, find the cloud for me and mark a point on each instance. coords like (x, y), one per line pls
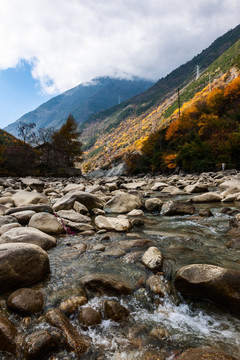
(72, 41)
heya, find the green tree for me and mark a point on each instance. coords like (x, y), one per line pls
(67, 140)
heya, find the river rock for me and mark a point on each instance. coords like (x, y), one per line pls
(133, 185)
(33, 207)
(48, 223)
(80, 208)
(110, 223)
(207, 197)
(211, 282)
(8, 335)
(3, 209)
(41, 344)
(67, 201)
(135, 244)
(152, 258)
(7, 219)
(123, 203)
(23, 197)
(136, 212)
(205, 353)
(26, 301)
(172, 208)
(34, 184)
(114, 311)
(70, 305)
(21, 264)
(173, 190)
(73, 187)
(232, 186)
(74, 341)
(153, 204)
(105, 284)
(28, 235)
(6, 227)
(73, 216)
(23, 217)
(89, 317)
(159, 186)
(196, 188)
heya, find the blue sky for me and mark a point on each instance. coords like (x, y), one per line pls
(50, 46)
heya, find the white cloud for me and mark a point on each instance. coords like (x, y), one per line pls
(73, 41)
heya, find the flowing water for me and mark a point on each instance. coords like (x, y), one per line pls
(183, 240)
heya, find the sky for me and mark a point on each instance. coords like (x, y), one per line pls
(50, 46)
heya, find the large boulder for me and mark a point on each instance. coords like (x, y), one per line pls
(67, 201)
(105, 284)
(22, 264)
(26, 301)
(232, 186)
(110, 223)
(123, 203)
(153, 204)
(171, 208)
(28, 235)
(215, 283)
(23, 217)
(48, 223)
(32, 207)
(196, 188)
(74, 341)
(23, 197)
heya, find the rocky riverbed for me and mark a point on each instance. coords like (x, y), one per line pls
(120, 268)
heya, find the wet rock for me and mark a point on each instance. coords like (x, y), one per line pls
(41, 344)
(8, 335)
(205, 212)
(135, 244)
(114, 311)
(89, 317)
(110, 223)
(70, 305)
(153, 259)
(74, 341)
(157, 285)
(159, 333)
(23, 197)
(26, 301)
(172, 208)
(205, 353)
(123, 203)
(22, 264)
(207, 197)
(6, 227)
(105, 284)
(73, 216)
(215, 283)
(67, 201)
(28, 235)
(116, 251)
(48, 223)
(196, 188)
(153, 204)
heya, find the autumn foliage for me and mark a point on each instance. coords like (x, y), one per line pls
(206, 134)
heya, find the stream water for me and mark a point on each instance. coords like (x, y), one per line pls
(183, 240)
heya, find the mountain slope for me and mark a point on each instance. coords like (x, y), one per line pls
(127, 126)
(82, 101)
(7, 139)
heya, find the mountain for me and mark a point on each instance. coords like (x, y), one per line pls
(7, 139)
(82, 101)
(111, 134)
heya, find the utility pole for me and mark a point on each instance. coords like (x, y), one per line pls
(179, 104)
